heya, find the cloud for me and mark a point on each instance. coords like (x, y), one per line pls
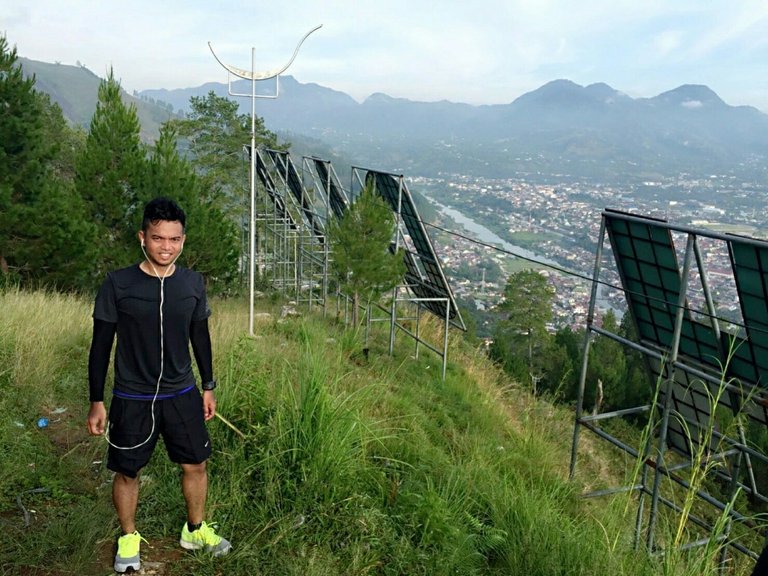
(666, 42)
(692, 104)
(742, 26)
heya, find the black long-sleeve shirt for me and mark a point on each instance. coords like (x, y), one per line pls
(128, 305)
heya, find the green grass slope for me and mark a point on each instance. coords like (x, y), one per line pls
(325, 461)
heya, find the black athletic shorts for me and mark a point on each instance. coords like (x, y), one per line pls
(179, 420)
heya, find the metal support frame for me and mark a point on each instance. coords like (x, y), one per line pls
(300, 252)
(733, 452)
(396, 323)
(279, 226)
(300, 255)
(419, 302)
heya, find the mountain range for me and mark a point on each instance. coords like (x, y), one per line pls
(560, 128)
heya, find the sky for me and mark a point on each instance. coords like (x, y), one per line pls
(483, 52)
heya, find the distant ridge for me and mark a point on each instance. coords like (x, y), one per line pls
(75, 89)
(560, 128)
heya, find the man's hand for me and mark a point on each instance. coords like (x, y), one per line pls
(97, 419)
(209, 404)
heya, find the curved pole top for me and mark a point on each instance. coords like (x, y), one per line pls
(245, 74)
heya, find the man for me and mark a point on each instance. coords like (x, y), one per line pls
(156, 309)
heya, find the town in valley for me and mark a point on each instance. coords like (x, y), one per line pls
(554, 224)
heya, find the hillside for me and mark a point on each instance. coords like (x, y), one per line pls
(75, 89)
(326, 461)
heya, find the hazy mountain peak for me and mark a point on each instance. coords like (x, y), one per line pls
(566, 93)
(605, 93)
(557, 92)
(560, 84)
(691, 96)
(379, 97)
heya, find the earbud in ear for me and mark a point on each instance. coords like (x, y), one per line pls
(142, 243)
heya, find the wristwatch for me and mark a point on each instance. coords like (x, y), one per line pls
(209, 385)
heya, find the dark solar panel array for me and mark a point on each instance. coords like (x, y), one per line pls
(647, 264)
(423, 288)
(269, 185)
(288, 172)
(337, 199)
(695, 400)
(750, 270)
(424, 271)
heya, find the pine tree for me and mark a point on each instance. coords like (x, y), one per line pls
(521, 337)
(23, 152)
(213, 135)
(110, 171)
(360, 241)
(211, 245)
(44, 234)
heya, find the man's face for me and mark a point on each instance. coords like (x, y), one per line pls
(163, 241)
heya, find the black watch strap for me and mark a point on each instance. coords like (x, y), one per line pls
(209, 385)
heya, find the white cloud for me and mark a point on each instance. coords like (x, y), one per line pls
(667, 42)
(743, 25)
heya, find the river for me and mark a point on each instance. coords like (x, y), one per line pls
(480, 232)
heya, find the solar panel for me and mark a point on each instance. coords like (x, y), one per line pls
(422, 287)
(269, 186)
(290, 176)
(696, 402)
(337, 198)
(424, 271)
(707, 402)
(647, 265)
(646, 260)
(750, 270)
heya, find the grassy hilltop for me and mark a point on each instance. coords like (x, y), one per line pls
(326, 462)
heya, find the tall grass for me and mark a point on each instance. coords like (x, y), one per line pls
(43, 343)
(677, 531)
(325, 461)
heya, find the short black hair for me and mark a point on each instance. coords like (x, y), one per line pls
(163, 208)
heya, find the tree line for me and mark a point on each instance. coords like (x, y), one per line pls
(71, 199)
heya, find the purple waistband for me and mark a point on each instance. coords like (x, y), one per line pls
(166, 396)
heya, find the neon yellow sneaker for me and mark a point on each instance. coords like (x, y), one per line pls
(128, 552)
(205, 538)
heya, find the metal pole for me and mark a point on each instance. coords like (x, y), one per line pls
(445, 334)
(675, 345)
(587, 339)
(392, 321)
(418, 328)
(253, 76)
(252, 240)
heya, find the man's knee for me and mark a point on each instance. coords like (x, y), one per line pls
(193, 469)
(121, 479)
